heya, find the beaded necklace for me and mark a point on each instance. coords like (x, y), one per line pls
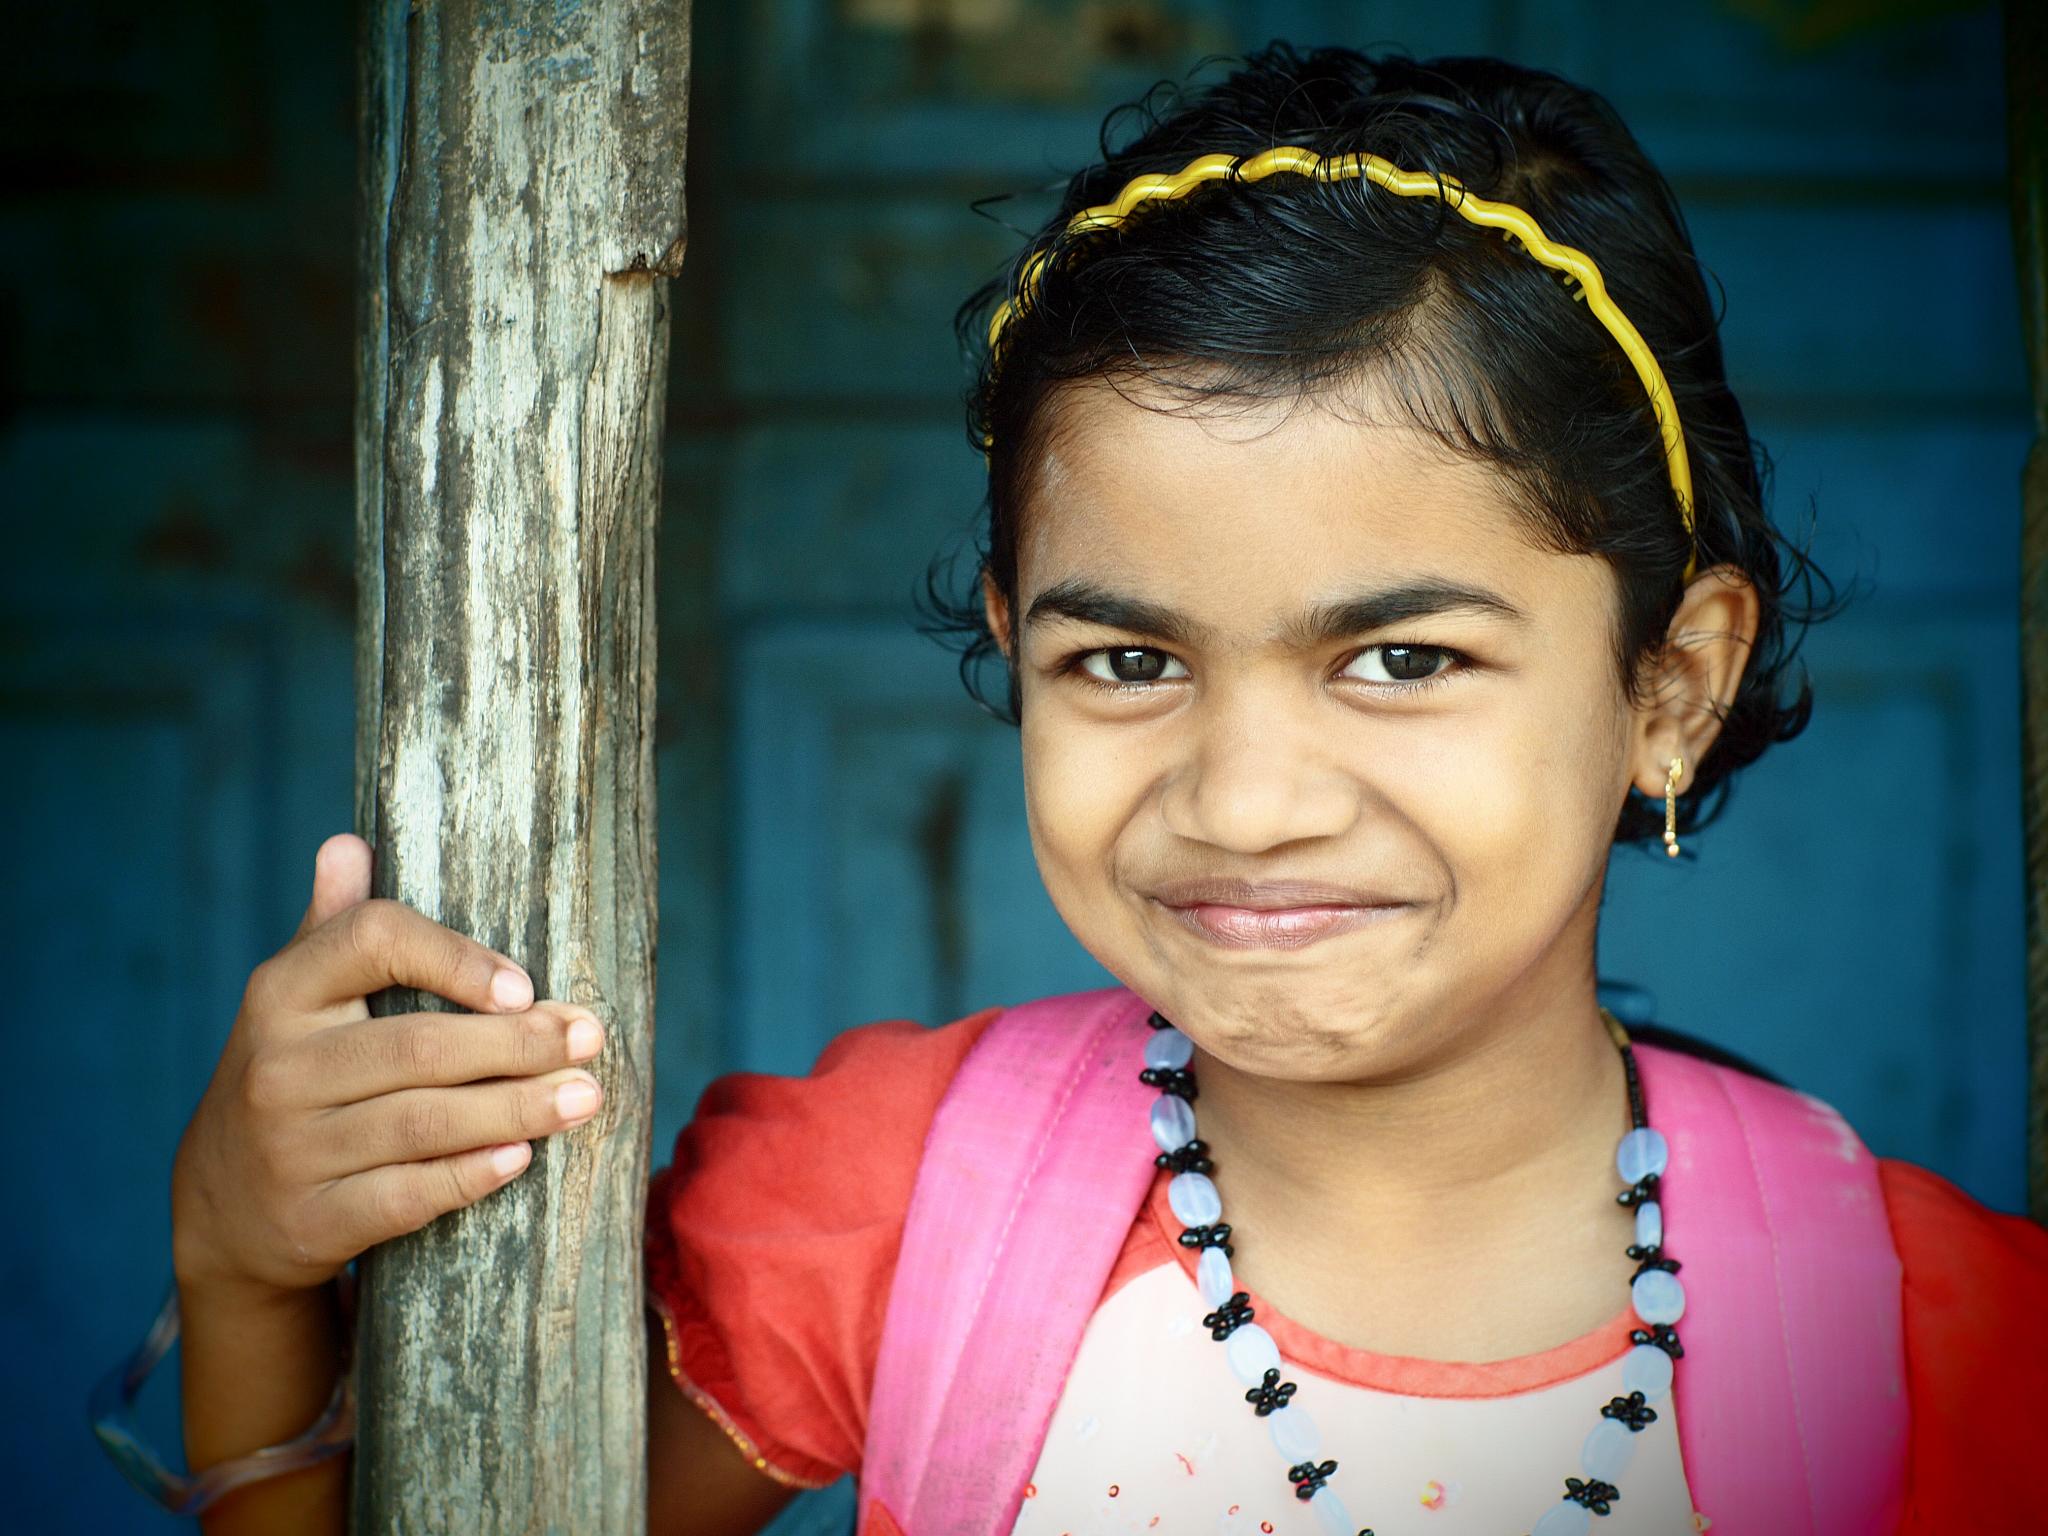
(1254, 1358)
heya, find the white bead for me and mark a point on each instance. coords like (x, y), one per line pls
(1169, 1050)
(1564, 1518)
(1646, 1369)
(1641, 1154)
(1173, 1122)
(1251, 1353)
(1658, 1296)
(1194, 1199)
(1213, 1279)
(1295, 1435)
(1649, 1224)
(1607, 1450)
(1331, 1514)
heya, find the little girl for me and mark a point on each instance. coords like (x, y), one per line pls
(1374, 543)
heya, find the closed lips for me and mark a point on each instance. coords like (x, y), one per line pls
(1267, 895)
(1272, 914)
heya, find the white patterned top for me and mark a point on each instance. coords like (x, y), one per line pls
(1152, 1431)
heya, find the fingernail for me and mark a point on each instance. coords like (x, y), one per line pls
(576, 1099)
(509, 989)
(586, 1039)
(510, 1158)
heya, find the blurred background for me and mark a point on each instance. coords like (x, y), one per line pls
(842, 835)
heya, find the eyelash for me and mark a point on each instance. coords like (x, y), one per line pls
(1072, 667)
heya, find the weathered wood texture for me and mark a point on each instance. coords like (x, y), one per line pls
(2026, 66)
(522, 191)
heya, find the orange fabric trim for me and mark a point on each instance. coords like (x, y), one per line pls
(717, 1414)
(1404, 1374)
(772, 1239)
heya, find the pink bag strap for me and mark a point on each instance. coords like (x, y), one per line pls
(1791, 1409)
(1033, 1170)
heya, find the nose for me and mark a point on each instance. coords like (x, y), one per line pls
(1257, 774)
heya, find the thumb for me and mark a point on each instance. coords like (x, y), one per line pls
(341, 879)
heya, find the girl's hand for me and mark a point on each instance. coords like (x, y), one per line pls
(325, 1131)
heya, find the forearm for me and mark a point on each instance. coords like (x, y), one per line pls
(258, 1367)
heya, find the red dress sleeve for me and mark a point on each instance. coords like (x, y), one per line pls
(1975, 1288)
(772, 1239)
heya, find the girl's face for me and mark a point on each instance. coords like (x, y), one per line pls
(1322, 756)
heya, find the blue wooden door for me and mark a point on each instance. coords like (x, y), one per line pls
(175, 276)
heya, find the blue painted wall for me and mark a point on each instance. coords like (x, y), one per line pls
(175, 383)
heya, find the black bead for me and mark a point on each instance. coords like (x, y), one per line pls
(1217, 1236)
(1308, 1476)
(1595, 1495)
(1175, 1080)
(1663, 1335)
(1633, 1410)
(1159, 1020)
(1229, 1317)
(1192, 1158)
(1669, 1266)
(1643, 1189)
(1269, 1394)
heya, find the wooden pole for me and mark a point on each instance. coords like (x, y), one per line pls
(522, 200)
(2026, 82)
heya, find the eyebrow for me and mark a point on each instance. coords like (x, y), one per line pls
(1081, 601)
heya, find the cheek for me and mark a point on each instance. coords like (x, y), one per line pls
(1541, 817)
(1078, 797)
(1516, 805)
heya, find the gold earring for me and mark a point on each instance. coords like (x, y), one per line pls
(1671, 806)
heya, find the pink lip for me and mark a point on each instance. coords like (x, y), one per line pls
(1234, 927)
(1267, 895)
(1272, 914)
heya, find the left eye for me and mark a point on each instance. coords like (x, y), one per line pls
(1127, 665)
(1400, 663)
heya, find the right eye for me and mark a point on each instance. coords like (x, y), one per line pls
(1130, 666)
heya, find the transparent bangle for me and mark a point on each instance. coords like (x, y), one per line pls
(113, 1425)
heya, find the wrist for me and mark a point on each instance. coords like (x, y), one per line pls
(203, 1265)
(259, 1362)
(207, 1292)
(250, 1416)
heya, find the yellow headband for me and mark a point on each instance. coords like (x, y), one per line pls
(1581, 276)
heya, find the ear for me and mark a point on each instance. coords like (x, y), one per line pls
(1694, 681)
(997, 611)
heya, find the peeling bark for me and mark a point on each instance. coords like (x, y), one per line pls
(522, 192)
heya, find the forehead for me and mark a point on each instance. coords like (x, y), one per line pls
(1260, 502)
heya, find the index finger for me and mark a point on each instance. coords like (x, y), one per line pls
(383, 943)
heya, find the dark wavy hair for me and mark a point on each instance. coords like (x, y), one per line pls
(1290, 287)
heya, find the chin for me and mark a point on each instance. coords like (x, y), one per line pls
(1302, 1027)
